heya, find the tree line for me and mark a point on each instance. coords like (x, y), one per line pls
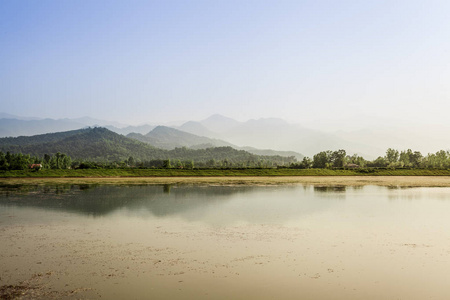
(102, 145)
(324, 160)
(392, 159)
(19, 161)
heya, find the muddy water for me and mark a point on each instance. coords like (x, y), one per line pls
(224, 242)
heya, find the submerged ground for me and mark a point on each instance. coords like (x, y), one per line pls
(225, 238)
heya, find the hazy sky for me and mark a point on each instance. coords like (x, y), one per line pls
(156, 61)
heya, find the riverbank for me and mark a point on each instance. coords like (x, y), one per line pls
(100, 173)
(390, 181)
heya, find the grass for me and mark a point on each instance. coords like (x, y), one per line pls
(216, 173)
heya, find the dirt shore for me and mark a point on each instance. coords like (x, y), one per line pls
(413, 181)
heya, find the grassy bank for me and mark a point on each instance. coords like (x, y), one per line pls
(215, 172)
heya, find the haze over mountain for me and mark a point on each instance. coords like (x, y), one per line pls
(277, 134)
(101, 144)
(9, 116)
(17, 127)
(255, 135)
(169, 138)
(142, 129)
(11, 125)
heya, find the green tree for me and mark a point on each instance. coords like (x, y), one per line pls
(357, 160)
(321, 159)
(380, 162)
(4, 165)
(166, 164)
(19, 161)
(391, 156)
(177, 164)
(189, 164)
(337, 158)
(306, 163)
(130, 161)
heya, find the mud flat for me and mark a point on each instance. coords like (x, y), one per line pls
(323, 238)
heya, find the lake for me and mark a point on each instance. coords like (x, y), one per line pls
(298, 241)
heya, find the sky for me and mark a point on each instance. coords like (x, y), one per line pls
(308, 62)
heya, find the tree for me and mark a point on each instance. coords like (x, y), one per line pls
(321, 159)
(306, 163)
(440, 160)
(177, 164)
(4, 165)
(59, 161)
(337, 158)
(66, 161)
(406, 157)
(166, 164)
(416, 159)
(47, 159)
(189, 164)
(130, 161)
(19, 161)
(211, 163)
(391, 156)
(380, 162)
(357, 160)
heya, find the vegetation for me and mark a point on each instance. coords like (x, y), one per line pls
(111, 154)
(100, 147)
(392, 160)
(19, 161)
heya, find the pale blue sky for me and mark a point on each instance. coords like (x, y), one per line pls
(156, 61)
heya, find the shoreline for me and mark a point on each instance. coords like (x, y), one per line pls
(180, 173)
(400, 181)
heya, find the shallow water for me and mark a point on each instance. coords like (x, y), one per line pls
(226, 242)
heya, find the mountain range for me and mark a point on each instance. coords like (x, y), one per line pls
(261, 136)
(101, 144)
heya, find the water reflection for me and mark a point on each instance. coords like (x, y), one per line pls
(299, 241)
(225, 203)
(211, 204)
(328, 189)
(166, 188)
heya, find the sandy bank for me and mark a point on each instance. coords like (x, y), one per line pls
(413, 181)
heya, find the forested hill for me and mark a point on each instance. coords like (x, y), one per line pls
(101, 144)
(170, 138)
(41, 138)
(90, 143)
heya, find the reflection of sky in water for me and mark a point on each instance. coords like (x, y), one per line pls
(219, 205)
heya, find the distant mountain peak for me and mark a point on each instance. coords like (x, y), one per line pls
(219, 123)
(197, 128)
(163, 129)
(218, 117)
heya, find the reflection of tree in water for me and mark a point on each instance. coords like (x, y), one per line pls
(330, 189)
(97, 200)
(398, 187)
(213, 204)
(166, 188)
(357, 187)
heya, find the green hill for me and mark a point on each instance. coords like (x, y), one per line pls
(39, 139)
(101, 144)
(170, 138)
